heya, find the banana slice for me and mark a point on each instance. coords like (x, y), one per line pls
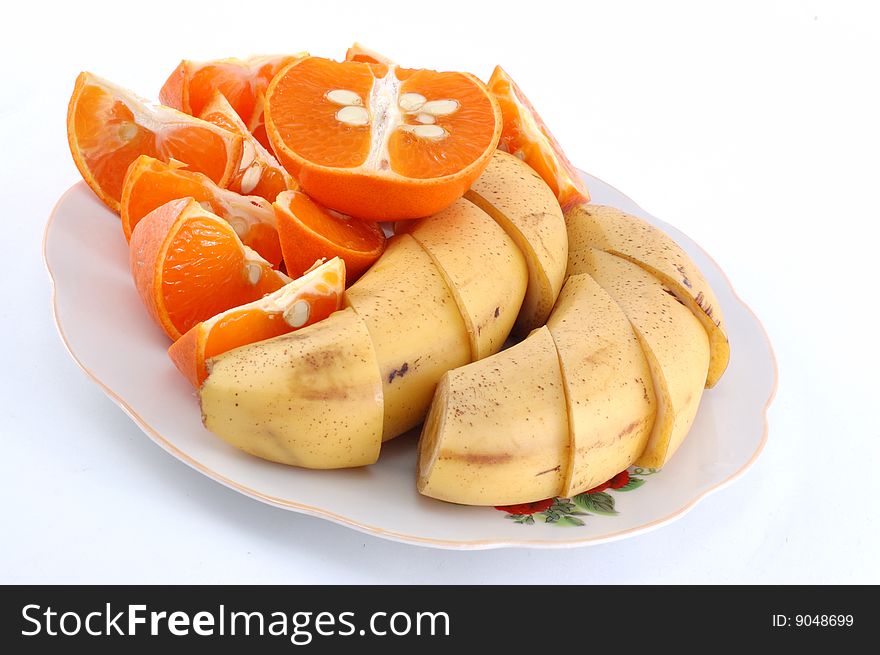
(522, 203)
(608, 384)
(673, 340)
(497, 431)
(481, 265)
(415, 327)
(311, 398)
(627, 236)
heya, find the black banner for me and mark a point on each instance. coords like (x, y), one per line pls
(399, 619)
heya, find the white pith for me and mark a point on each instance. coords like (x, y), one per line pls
(388, 111)
(283, 301)
(240, 210)
(387, 117)
(146, 114)
(529, 126)
(336, 214)
(248, 154)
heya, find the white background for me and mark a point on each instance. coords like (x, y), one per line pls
(752, 126)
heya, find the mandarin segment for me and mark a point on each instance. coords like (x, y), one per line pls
(301, 302)
(108, 127)
(259, 173)
(189, 265)
(451, 107)
(304, 119)
(310, 233)
(526, 136)
(151, 183)
(243, 82)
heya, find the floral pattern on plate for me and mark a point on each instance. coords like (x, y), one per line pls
(568, 512)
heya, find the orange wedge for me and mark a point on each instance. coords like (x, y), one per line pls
(310, 233)
(526, 136)
(108, 127)
(259, 173)
(304, 301)
(380, 142)
(189, 265)
(243, 81)
(151, 183)
(362, 53)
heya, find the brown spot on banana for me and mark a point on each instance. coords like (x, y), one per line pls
(479, 458)
(398, 372)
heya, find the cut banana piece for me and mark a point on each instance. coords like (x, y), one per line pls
(311, 398)
(608, 384)
(673, 340)
(415, 326)
(627, 236)
(481, 265)
(497, 431)
(522, 203)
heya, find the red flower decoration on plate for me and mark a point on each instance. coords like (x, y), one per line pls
(618, 481)
(568, 511)
(527, 508)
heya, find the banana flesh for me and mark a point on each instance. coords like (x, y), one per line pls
(311, 398)
(495, 435)
(608, 384)
(522, 203)
(482, 266)
(442, 295)
(415, 326)
(623, 335)
(633, 357)
(627, 236)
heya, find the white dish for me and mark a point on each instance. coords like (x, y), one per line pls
(107, 332)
